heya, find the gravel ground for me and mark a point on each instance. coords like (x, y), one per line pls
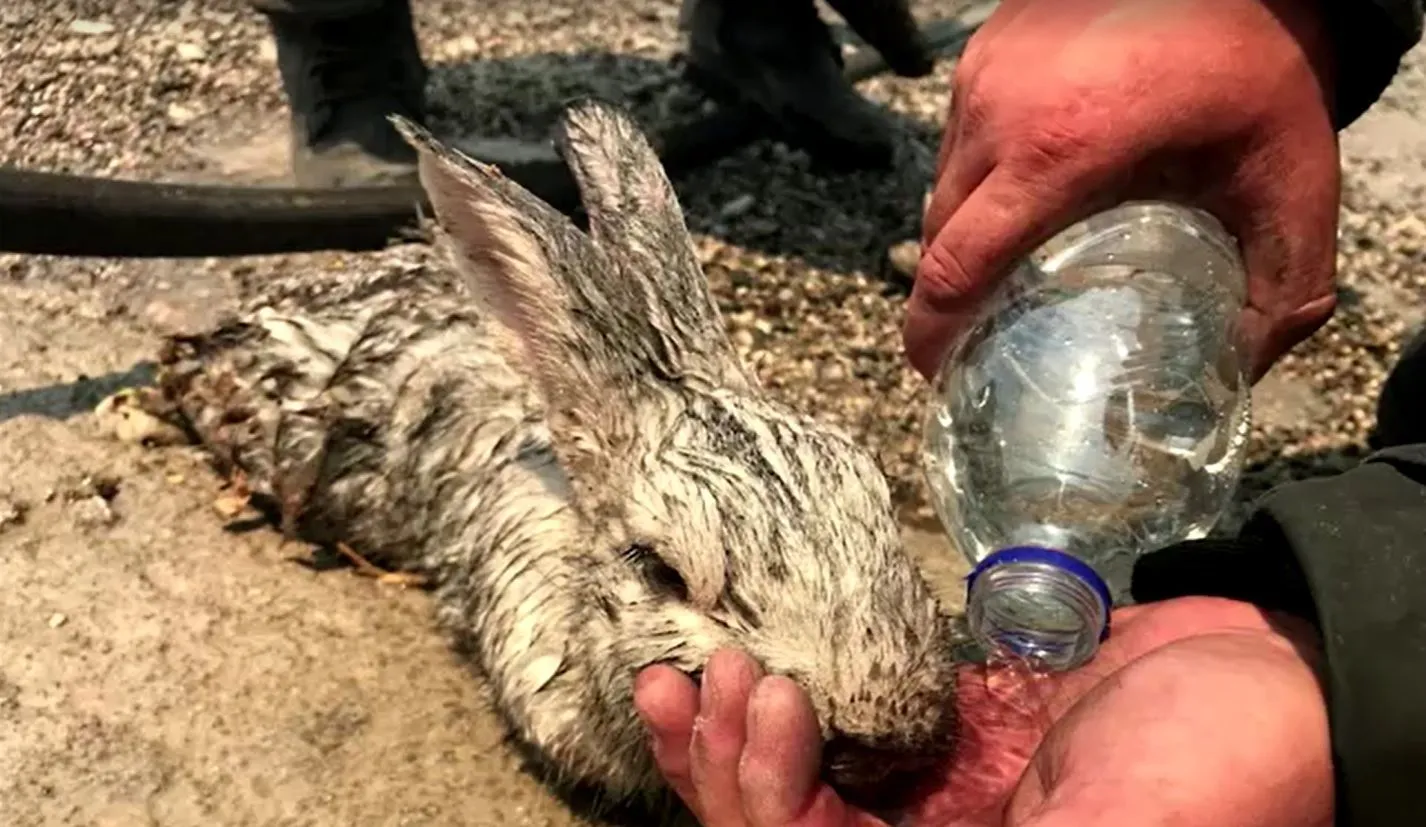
(161, 670)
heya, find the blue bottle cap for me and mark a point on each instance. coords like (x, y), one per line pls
(1050, 557)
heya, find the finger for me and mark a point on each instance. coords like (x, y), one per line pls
(1009, 214)
(667, 702)
(779, 768)
(719, 734)
(963, 157)
(961, 166)
(1267, 338)
(1282, 205)
(1291, 294)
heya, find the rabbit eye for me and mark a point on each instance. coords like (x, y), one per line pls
(662, 578)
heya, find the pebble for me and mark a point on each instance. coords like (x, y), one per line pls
(738, 206)
(93, 512)
(180, 115)
(91, 27)
(12, 512)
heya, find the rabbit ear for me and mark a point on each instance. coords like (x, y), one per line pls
(635, 217)
(538, 277)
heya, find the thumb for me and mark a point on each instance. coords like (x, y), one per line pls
(1002, 220)
(1288, 233)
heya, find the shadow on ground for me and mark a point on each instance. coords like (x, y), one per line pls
(66, 400)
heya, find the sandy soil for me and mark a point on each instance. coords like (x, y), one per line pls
(163, 665)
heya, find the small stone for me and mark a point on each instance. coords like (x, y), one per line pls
(902, 259)
(93, 512)
(832, 372)
(57, 620)
(191, 51)
(12, 513)
(738, 206)
(91, 27)
(180, 115)
(170, 319)
(230, 506)
(106, 47)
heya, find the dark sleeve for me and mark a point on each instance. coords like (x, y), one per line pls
(1371, 36)
(1349, 554)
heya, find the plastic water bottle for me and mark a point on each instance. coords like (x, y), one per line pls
(1098, 410)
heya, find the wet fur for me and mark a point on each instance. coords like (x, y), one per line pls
(562, 438)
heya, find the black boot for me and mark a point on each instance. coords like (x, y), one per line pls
(343, 75)
(779, 57)
(1401, 405)
(889, 27)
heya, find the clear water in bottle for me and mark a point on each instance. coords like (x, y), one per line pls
(1098, 410)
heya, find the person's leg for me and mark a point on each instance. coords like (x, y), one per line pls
(346, 65)
(778, 56)
(1401, 406)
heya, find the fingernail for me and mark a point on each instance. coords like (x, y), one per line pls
(708, 696)
(721, 668)
(757, 702)
(640, 680)
(643, 716)
(655, 745)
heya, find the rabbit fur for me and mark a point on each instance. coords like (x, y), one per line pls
(566, 444)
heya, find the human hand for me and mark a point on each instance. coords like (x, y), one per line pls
(1063, 109)
(1196, 711)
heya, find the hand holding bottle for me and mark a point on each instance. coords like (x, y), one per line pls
(1063, 109)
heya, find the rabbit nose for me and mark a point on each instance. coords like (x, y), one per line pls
(873, 775)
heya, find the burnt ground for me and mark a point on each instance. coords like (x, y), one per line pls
(162, 663)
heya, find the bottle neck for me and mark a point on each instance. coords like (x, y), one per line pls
(1037, 606)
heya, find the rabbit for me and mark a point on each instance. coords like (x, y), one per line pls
(558, 435)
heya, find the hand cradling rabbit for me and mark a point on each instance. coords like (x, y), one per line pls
(569, 449)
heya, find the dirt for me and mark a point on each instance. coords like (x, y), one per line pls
(161, 664)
